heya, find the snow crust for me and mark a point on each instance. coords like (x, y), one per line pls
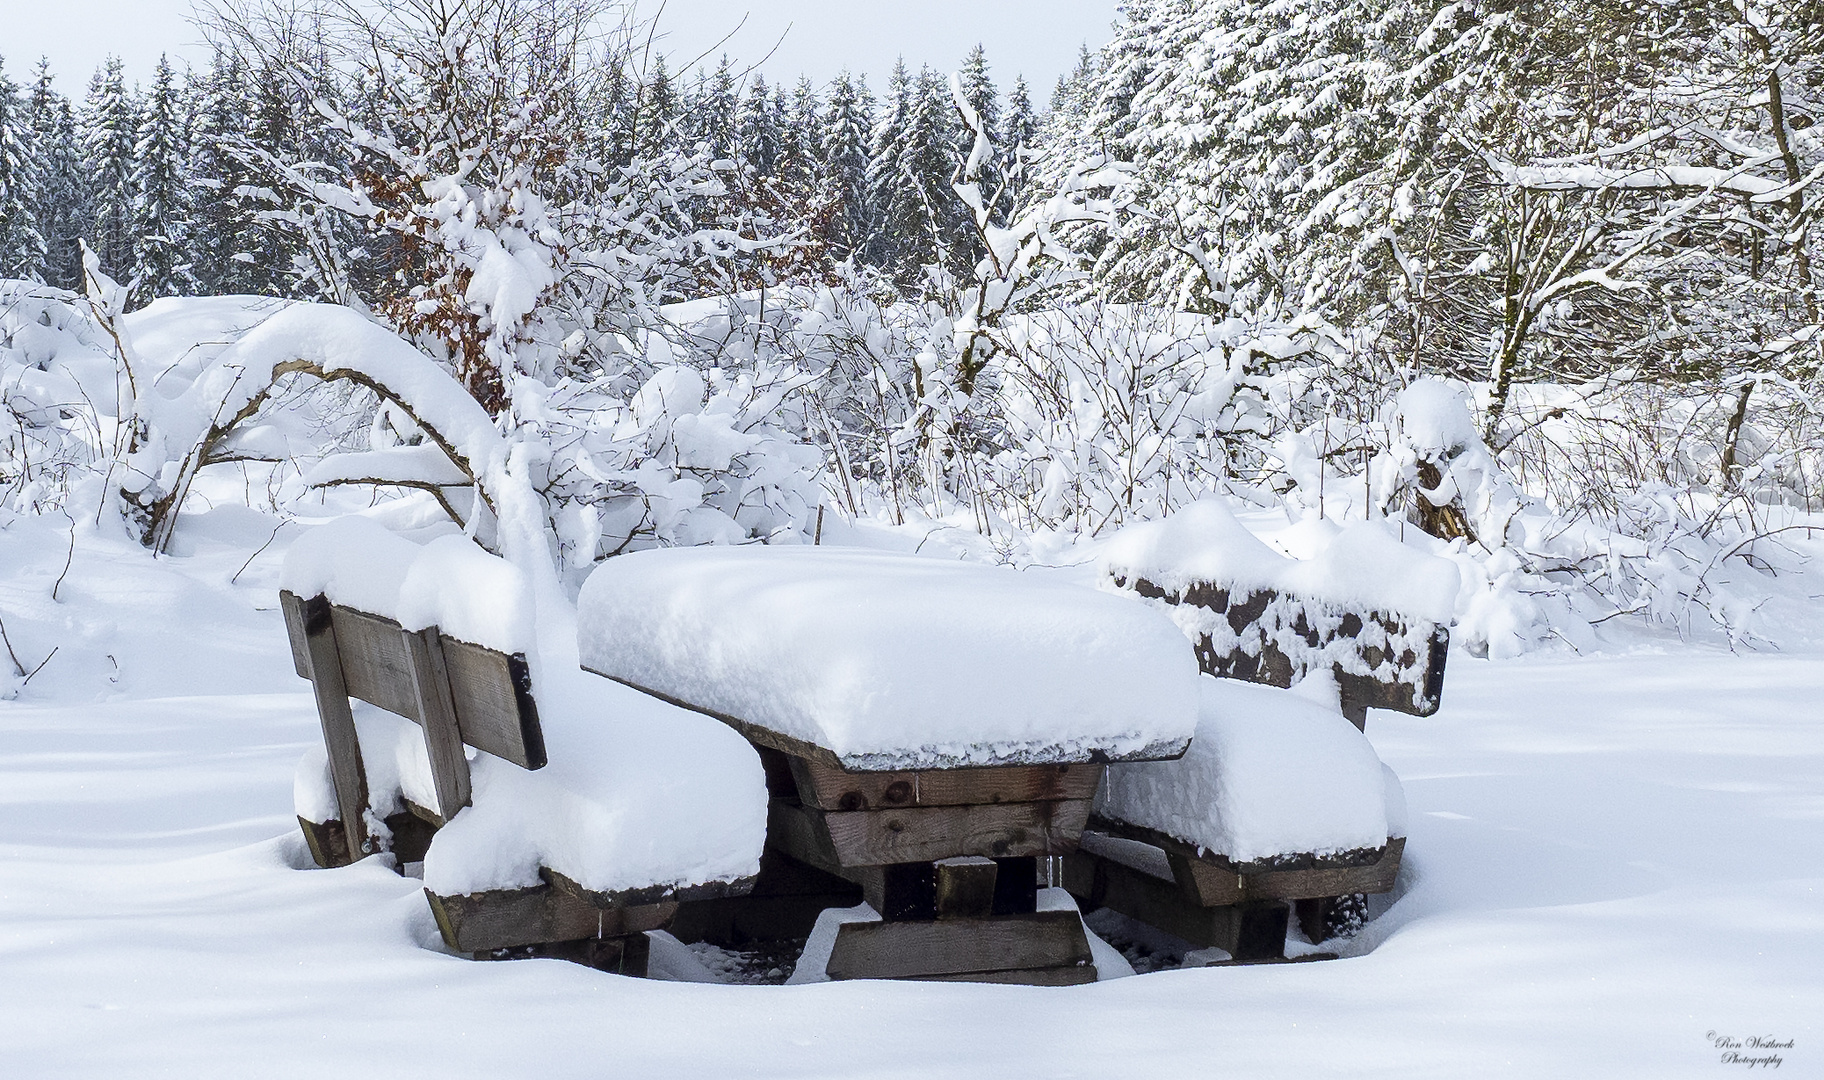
(1363, 566)
(893, 661)
(1270, 772)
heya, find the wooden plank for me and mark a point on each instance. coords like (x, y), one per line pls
(929, 833)
(649, 894)
(786, 899)
(1099, 882)
(1377, 877)
(628, 954)
(1250, 931)
(1069, 975)
(346, 770)
(494, 703)
(1279, 638)
(829, 788)
(327, 842)
(898, 950)
(293, 607)
(374, 661)
(798, 831)
(509, 918)
(965, 887)
(430, 682)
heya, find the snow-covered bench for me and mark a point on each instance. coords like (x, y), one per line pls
(575, 856)
(929, 729)
(1280, 797)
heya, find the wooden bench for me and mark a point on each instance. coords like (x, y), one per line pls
(1379, 659)
(460, 694)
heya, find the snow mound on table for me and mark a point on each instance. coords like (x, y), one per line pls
(893, 661)
(1270, 772)
(1363, 566)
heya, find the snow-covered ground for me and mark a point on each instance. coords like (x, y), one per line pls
(1614, 861)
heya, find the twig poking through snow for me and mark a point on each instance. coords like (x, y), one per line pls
(18, 668)
(256, 554)
(68, 557)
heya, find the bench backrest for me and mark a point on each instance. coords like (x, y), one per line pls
(492, 691)
(1380, 659)
(458, 692)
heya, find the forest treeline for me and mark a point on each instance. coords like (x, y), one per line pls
(1538, 279)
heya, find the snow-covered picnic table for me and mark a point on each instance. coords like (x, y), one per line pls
(931, 728)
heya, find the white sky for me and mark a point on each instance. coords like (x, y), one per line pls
(1038, 38)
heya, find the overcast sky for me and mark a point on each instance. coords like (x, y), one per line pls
(1038, 38)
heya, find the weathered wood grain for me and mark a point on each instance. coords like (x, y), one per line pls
(509, 918)
(828, 788)
(900, 950)
(648, 894)
(343, 743)
(965, 887)
(929, 833)
(430, 680)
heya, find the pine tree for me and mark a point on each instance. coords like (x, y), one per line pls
(889, 195)
(110, 127)
(714, 111)
(61, 201)
(660, 111)
(1020, 138)
(219, 219)
(757, 134)
(979, 92)
(21, 248)
(801, 160)
(162, 208)
(847, 119)
(926, 215)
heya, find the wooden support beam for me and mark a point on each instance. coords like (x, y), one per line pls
(956, 947)
(834, 839)
(787, 897)
(430, 681)
(826, 787)
(965, 887)
(340, 738)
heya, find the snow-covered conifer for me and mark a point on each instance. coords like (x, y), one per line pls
(847, 120)
(162, 203)
(21, 247)
(62, 195)
(110, 128)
